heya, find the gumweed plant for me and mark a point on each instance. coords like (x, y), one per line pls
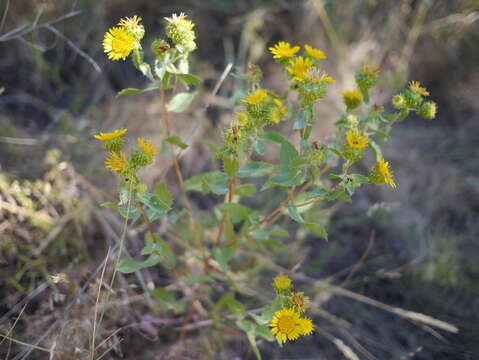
(207, 252)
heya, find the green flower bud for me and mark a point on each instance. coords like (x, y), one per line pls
(140, 159)
(398, 101)
(428, 110)
(413, 100)
(114, 145)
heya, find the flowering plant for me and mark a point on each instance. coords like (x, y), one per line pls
(207, 252)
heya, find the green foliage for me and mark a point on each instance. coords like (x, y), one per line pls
(217, 249)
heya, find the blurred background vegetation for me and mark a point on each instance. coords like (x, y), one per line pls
(415, 248)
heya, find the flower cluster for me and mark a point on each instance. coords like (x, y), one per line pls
(259, 108)
(118, 162)
(288, 323)
(412, 99)
(119, 41)
(307, 78)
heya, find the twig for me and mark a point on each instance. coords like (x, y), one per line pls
(74, 47)
(92, 351)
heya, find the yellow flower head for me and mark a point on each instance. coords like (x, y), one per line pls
(147, 146)
(356, 139)
(283, 50)
(180, 31)
(380, 173)
(299, 68)
(133, 26)
(306, 326)
(118, 43)
(415, 87)
(314, 53)
(352, 99)
(286, 325)
(116, 162)
(256, 97)
(110, 136)
(298, 301)
(371, 70)
(282, 283)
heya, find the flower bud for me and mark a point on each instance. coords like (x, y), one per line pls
(428, 110)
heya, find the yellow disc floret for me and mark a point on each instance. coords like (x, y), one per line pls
(256, 97)
(286, 325)
(298, 301)
(118, 43)
(299, 68)
(110, 136)
(147, 147)
(356, 139)
(283, 50)
(282, 283)
(314, 53)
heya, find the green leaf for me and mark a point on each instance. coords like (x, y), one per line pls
(318, 230)
(127, 266)
(287, 154)
(132, 91)
(234, 306)
(163, 295)
(215, 182)
(245, 190)
(224, 255)
(237, 212)
(231, 166)
(300, 121)
(157, 246)
(250, 329)
(156, 208)
(189, 79)
(279, 232)
(376, 150)
(165, 198)
(176, 140)
(180, 102)
(191, 280)
(256, 169)
(293, 212)
(274, 137)
(289, 178)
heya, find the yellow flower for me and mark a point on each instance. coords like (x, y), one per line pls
(380, 173)
(256, 97)
(298, 301)
(371, 70)
(110, 136)
(181, 32)
(415, 87)
(286, 325)
(283, 50)
(314, 53)
(356, 139)
(118, 43)
(282, 283)
(133, 26)
(147, 147)
(352, 99)
(299, 68)
(116, 162)
(306, 326)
